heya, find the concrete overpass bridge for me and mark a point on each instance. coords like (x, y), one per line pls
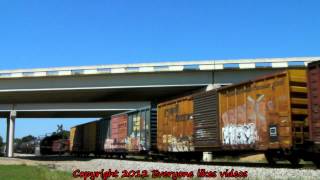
(100, 91)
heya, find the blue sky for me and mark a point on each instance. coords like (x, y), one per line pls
(69, 33)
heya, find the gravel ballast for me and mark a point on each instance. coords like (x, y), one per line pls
(87, 165)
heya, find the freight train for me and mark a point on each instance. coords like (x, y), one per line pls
(277, 115)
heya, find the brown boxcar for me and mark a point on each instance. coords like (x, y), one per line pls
(189, 124)
(314, 101)
(175, 125)
(266, 113)
(118, 133)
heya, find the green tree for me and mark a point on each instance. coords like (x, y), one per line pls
(17, 141)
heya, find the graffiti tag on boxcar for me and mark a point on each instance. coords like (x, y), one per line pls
(240, 121)
(179, 144)
(234, 134)
(254, 109)
(112, 144)
(258, 105)
(135, 144)
(174, 112)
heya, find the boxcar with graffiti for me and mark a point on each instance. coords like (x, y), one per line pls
(132, 132)
(116, 143)
(267, 114)
(175, 125)
(141, 130)
(189, 125)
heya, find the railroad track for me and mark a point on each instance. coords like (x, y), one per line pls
(282, 164)
(235, 164)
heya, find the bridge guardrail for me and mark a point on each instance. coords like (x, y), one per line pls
(162, 67)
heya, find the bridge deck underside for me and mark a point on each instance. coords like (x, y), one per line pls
(150, 87)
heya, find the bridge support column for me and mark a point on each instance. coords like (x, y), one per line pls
(10, 133)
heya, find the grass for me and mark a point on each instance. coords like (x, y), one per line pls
(23, 172)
